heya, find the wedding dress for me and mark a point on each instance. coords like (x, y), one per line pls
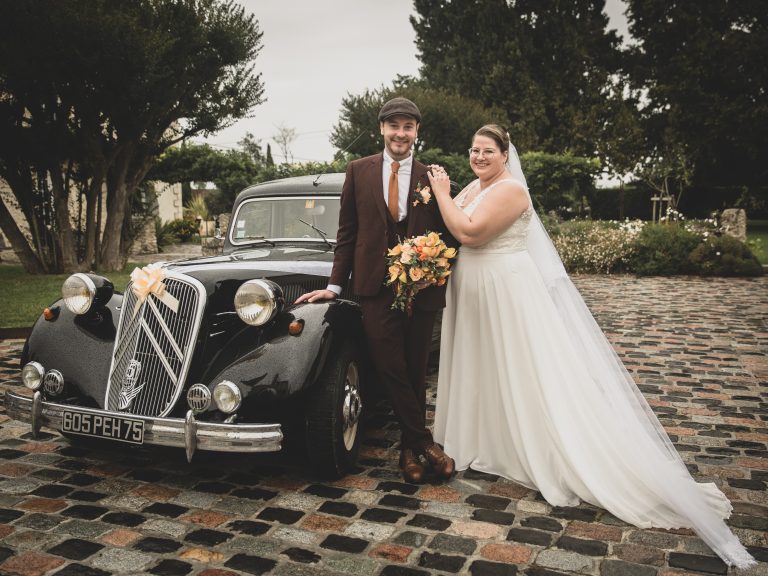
(530, 389)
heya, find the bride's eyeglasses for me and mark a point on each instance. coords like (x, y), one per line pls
(487, 153)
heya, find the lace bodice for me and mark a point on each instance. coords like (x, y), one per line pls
(513, 239)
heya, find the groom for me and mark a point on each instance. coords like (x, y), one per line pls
(377, 211)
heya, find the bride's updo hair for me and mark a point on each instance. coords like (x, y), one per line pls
(497, 133)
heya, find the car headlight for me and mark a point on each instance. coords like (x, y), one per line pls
(258, 301)
(81, 292)
(32, 375)
(227, 396)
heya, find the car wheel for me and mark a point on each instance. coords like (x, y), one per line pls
(333, 412)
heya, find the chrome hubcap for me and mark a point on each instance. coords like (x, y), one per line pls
(353, 405)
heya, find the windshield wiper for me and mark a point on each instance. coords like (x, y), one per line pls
(316, 229)
(260, 238)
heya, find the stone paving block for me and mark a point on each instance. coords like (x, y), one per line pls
(157, 545)
(620, 568)
(206, 537)
(81, 570)
(413, 539)
(448, 543)
(441, 562)
(344, 543)
(120, 560)
(382, 515)
(429, 522)
(391, 552)
(162, 526)
(563, 560)
(250, 564)
(708, 564)
(169, 567)
(75, 549)
(371, 531)
(25, 540)
(402, 571)
(485, 568)
(31, 564)
(350, 564)
(85, 529)
(295, 535)
(530, 536)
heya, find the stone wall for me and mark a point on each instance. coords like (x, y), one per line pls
(146, 240)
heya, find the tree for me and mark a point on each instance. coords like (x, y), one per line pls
(252, 146)
(702, 65)
(90, 97)
(546, 63)
(230, 170)
(448, 119)
(284, 137)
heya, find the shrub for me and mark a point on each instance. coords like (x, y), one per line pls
(182, 230)
(164, 234)
(664, 249)
(594, 247)
(724, 256)
(196, 208)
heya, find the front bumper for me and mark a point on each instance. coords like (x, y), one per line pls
(186, 433)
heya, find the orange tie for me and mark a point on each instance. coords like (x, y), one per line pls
(394, 196)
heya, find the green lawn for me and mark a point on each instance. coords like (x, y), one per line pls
(757, 235)
(24, 296)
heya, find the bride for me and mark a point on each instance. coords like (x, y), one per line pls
(529, 387)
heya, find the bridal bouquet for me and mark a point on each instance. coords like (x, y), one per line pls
(417, 263)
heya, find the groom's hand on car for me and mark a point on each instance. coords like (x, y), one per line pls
(316, 295)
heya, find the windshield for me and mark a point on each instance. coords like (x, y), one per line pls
(281, 219)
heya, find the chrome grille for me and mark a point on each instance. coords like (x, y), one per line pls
(153, 349)
(293, 291)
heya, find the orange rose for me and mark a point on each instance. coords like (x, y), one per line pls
(416, 274)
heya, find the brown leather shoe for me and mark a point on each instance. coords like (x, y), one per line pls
(443, 465)
(413, 470)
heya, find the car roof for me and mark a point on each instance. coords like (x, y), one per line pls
(318, 184)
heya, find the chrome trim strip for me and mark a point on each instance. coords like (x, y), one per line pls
(158, 350)
(166, 331)
(158, 431)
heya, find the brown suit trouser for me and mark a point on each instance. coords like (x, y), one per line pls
(399, 346)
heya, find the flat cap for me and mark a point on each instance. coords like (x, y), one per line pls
(399, 106)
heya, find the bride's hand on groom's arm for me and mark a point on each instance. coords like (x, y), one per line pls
(439, 180)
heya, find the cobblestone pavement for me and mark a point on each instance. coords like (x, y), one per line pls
(697, 348)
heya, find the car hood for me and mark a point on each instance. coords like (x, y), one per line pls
(259, 262)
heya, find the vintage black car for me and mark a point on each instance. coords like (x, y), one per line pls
(211, 353)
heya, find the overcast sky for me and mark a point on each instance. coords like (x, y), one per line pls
(316, 52)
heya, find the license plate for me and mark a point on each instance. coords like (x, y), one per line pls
(103, 426)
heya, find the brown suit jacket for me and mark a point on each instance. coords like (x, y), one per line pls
(362, 240)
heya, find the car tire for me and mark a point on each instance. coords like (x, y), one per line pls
(333, 414)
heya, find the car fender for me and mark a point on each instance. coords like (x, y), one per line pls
(78, 346)
(277, 365)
